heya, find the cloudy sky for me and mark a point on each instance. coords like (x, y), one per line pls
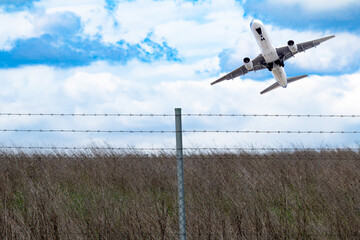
(142, 56)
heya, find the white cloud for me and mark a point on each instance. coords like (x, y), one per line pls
(197, 30)
(14, 26)
(29, 88)
(336, 55)
(184, 25)
(79, 7)
(85, 86)
(43, 89)
(200, 31)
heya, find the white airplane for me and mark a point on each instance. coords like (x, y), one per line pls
(271, 58)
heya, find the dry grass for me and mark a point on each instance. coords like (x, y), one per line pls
(110, 195)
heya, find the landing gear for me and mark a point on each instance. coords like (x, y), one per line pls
(270, 66)
(280, 63)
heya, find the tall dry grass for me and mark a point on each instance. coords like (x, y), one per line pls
(112, 195)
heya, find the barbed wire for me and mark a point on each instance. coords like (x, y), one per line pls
(85, 148)
(85, 131)
(183, 114)
(88, 114)
(273, 115)
(184, 131)
(273, 131)
(186, 148)
(273, 149)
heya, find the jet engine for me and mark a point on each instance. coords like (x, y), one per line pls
(248, 64)
(292, 46)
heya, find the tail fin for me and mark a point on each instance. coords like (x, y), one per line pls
(289, 80)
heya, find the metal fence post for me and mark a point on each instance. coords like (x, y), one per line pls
(180, 174)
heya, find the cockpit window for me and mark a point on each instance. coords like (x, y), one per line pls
(258, 30)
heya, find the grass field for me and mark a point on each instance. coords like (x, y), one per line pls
(133, 195)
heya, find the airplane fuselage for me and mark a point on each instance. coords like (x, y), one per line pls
(269, 52)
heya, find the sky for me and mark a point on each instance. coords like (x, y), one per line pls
(142, 56)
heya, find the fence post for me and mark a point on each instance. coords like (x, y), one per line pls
(180, 174)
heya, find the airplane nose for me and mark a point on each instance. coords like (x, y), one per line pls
(251, 23)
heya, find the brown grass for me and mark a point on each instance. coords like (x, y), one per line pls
(112, 195)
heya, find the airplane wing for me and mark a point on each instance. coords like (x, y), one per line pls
(284, 52)
(258, 62)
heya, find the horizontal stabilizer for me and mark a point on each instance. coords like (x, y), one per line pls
(289, 80)
(272, 87)
(293, 79)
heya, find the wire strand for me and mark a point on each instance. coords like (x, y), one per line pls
(184, 115)
(184, 131)
(274, 115)
(273, 131)
(186, 148)
(87, 114)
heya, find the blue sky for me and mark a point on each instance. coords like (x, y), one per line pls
(62, 45)
(153, 56)
(16, 5)
(342, 17)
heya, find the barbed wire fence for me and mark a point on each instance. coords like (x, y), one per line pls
(178, 131)
(171, 131)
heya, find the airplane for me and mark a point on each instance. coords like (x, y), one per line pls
(271, 58)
